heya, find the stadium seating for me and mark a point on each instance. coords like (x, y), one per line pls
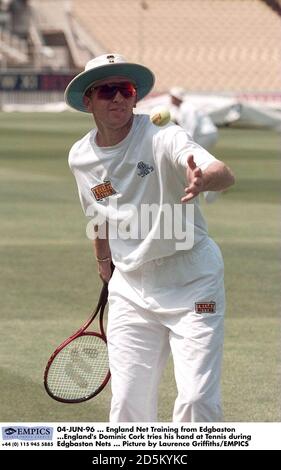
(203, 45)
(14, 48)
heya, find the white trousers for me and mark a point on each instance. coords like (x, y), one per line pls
(141, 337)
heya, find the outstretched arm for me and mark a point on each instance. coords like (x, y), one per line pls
(215, 178)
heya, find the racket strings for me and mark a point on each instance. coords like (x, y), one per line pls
(79, 369)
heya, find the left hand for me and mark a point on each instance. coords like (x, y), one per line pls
(195, 179)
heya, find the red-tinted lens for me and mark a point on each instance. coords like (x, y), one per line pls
(108, 91)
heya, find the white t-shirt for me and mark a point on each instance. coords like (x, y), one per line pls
(143, 175)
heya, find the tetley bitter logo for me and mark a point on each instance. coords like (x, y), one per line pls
(144, 169)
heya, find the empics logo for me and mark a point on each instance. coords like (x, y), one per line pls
(27, 433)
(10, 431)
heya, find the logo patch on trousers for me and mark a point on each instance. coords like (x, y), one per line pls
(205, 307)
(103, 190)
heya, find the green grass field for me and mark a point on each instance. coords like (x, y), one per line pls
(49, 281)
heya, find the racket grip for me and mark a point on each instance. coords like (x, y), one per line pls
(112, 267)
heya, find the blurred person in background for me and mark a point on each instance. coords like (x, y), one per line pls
(197, 124)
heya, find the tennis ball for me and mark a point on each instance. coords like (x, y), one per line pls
(160, 116)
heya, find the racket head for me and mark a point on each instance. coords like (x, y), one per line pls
(78, 370)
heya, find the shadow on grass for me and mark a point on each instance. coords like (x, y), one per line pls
(22, 400)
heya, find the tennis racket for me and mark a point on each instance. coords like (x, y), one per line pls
(78, 369)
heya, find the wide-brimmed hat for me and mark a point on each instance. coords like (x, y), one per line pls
(106, 66)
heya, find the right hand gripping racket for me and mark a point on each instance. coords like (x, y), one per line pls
(78, 369)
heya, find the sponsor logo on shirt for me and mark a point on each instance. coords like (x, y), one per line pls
(144, 169)
(103, 190)
(205, 307)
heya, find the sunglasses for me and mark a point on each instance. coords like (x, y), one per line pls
(108, 91)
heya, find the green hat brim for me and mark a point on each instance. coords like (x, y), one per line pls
(140, 75)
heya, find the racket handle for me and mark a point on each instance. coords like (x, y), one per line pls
(112, 267)
(104, 292)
